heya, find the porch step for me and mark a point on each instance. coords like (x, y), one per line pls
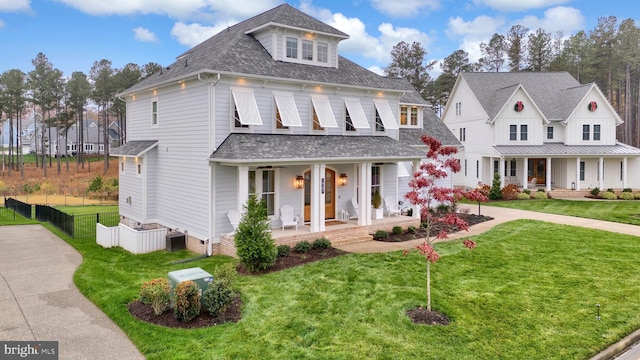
(569, 194)
(348, 236)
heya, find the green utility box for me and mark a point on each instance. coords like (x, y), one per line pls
(197, 275)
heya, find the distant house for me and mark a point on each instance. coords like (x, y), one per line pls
(538, 130)
(268, 108)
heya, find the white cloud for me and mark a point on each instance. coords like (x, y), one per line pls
(471, 33)
(191, 35)
(2, 24)
(405, 8)
(362, 43)
(144, 35)
(519, 5)
(15, 5)
(560, 18)
(376, 69)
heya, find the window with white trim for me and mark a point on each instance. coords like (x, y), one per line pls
(154, 112)
(245, 108)
(513, 168)
(376, 180)
(122, 165)
(292, 47)
(379, 124)
(236, 119)
(524, 132)
(307, 50)
(316, 122)
(323, 52)
(404, 110)
(596, 132)
(550, 133)
(269, 190)
(582, 170)
(621, 171)
(513, 132)
(585, 132)
(348, 124)
(139, 168)
(414, 115)
(279, 120)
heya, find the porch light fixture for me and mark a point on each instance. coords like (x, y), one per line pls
(343, 180)
(299, 182)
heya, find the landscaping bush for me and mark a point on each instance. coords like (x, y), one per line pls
(217, 297)
(156, 293)
(284, 250)
(595, 191)
(226, 274)
(541, 190)
(321, 244)
(526, 191)
(510, 192)
(411, 229)
(380, 234)
(524, 196)
(443, 208)
(396, 230)
(540, 195)
(96, 184)
(187, 298)
(625, 190)
(302, 247)
(610, 190)
(494, 193)
(254, 244)
(626, 196)
(637, 196)
(609, 195)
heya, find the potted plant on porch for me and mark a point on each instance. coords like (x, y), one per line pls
(376, 202)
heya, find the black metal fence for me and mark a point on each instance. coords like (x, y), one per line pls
(77, 226)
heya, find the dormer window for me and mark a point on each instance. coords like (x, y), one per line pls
(323, 52)
(408, 115)
(292, 48)
(307, 50)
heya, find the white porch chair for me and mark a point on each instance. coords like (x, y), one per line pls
(532, 183)
(287, 216)
(391, 206)
(234, 219)
(354, 204)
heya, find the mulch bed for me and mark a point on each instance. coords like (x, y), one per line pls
(471, 219)
(423, 316)
(145, 313)
(295, 259)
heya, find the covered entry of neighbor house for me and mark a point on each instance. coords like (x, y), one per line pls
(537, 169)
(329, 198)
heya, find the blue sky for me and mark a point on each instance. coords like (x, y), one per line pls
(74, 34)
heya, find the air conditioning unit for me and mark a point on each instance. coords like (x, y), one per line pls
(197, 275)
(175, 241)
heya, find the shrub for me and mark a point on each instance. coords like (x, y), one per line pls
(637, 196)
(526, 191)
(626, 196)
(376, 201)
(510, 192)
(302, 247)
(494, 192)
(187, 298)
(541, 190)
(540, 195)
(321, 244)
(595, 191)
(96, 184)
(30, 188)
(609, 195)
(396, 230)
(380, 234)
(226, 274)
(627, 190)
(524, 196)
(254, 244)
(443, 208)
(609, 190)
(411, 229)
(284, 250)
(217, 297)
(156, 293)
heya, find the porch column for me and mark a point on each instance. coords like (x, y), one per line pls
(243, 187)
(548, 184)
(416, 209)
(578, 173)
(500, 171)
(364, 202)
(601, 173)
(321, 200)
(624, 173)
(316, 177)
(525, 173)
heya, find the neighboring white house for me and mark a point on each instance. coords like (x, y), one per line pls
(266, 107)
(545, 126)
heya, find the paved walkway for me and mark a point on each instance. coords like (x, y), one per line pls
(39, 302)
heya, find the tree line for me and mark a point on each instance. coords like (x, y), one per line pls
(608, 55)
(55, 100)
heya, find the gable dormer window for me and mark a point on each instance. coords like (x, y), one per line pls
(307, 50)
(292, 47)
(323, 52)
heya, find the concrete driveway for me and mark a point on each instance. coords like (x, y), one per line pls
(39, 302)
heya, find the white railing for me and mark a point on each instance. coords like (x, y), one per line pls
(132, 240)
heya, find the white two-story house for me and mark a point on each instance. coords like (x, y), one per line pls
(542, 126)
(268, 108)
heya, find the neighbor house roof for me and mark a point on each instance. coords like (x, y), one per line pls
(134, 148)
(235, 51)
(431, 126)
(559, 150)
(269, 148)
(555, 93)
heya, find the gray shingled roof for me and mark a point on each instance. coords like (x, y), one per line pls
(555, 93)
(134, 148)
(234, 51)
(558, 149)
(261, 148)
(432, 126)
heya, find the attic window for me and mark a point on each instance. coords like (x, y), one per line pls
(323, 52)
(307, 50)
(292, 48)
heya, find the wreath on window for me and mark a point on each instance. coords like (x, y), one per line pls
(592, 106)
(519, 106)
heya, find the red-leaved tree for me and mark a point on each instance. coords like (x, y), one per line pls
(427, 194)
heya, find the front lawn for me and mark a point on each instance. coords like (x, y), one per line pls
(622, 211)
(528, 291)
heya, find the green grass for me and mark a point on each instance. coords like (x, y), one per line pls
(9, 217)
(31, 159)
(87, 209)
(622, 211)
(528, 291)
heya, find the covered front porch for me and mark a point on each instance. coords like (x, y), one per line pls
(339, 232)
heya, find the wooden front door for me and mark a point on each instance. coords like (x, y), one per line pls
(329, 198)
(538, 170)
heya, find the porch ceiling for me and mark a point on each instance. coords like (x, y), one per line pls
(562, 150)
(258, 148)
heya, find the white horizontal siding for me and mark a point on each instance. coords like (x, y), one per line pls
(130, 187)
